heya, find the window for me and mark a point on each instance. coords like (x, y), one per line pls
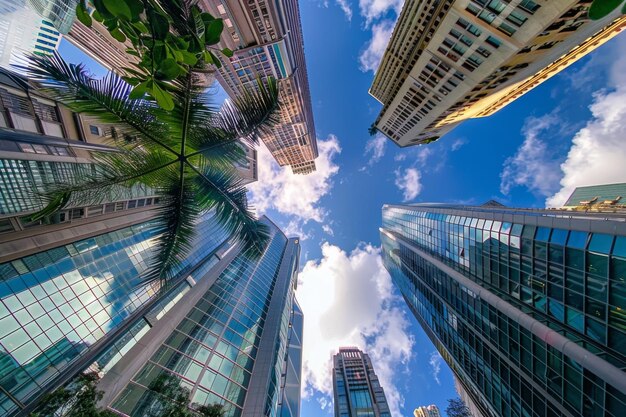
(33, 148)
(95, 130)
(221, 9)
(57, 150)
(517, 18)
(495, 42)
(508, 29)
(529, 6)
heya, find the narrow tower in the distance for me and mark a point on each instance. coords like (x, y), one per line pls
(357, 391)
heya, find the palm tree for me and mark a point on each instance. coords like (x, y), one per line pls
(185, 150)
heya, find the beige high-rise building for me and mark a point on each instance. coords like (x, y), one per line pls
(427, 411)
(452, 60)
(266, 38)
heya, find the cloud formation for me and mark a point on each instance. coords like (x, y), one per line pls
(598, 153)
(435, 365)
(534, 165)
(345, 8)
(374, 9)
(293, 195)
(347, 300)
(375, 148)
(372, 54)
(408, 181)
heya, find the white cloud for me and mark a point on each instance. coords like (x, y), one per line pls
(345, 8)
(347, 301)
(328, 230)
(598, 154)
(534, 165)
(372, 54)
(399, 157)
(295, 195)
(374, 9)
(435, 365)
(408, 181)
(375, 147)
(457, 144)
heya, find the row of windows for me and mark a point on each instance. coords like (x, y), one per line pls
(212, 351)
(56, 303)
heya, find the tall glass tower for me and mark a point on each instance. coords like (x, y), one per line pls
(357, 391)
(526, 306)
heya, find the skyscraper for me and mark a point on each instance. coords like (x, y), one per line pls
(451, 60)
(71, 291)
(266, 38)
(24, 31)
(357, 391)
(526, 306)
(427, 411)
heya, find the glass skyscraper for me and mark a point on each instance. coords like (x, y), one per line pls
(526, 306)
(233, 340)
(357, 391)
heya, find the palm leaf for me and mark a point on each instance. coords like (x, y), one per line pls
(107, 98)
(222, 191)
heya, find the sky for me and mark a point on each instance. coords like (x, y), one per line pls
(565, 133)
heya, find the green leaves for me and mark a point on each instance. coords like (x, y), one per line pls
(213, 31)
(163, 98)
(83, 15)
(118, 8)
(602, 8)
(227, 52)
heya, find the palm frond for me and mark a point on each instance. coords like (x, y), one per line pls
(105, 98)
(255, 112)
(114, 178)
(175, 224)
(222, 191)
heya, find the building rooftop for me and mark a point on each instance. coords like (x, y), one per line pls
(598, 195)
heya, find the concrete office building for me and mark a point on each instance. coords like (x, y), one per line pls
(427, 411)
(357, 391)
(526, 306)
(266, 38)
(451, 60)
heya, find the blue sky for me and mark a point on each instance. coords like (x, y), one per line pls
(567, 132)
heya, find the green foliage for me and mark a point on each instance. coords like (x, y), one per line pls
(372, 130)
(170, 38)
(76, 399)
(457, 408)
(185, 151)
(167, 398)
(602, 8)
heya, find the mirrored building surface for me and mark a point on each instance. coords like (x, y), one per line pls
(526, 306)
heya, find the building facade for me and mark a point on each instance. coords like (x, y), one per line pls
(451, 60)
(23, 31)
(233, 340)
(266, 38)
(525, 306)
(427, 411)
(467, 399)
(357, 391)
(71, 296)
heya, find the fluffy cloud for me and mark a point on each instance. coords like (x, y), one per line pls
(435, 365)
(372, 54)
(375, 148)
(347, 300)
(534, 165)
(598, 153)
(374, 9)
(345, 8)
(458, 144)
(293, 195)
(408, 181)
